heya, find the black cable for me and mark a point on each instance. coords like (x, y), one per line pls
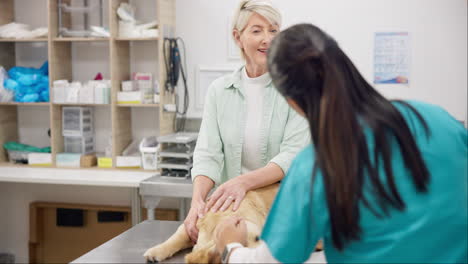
(173, 66)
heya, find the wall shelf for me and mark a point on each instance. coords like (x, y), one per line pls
(25, 104)
(79, 104)
(138, 105)
(80, 39)
(24, 40)
(116, 56)
(136, 39)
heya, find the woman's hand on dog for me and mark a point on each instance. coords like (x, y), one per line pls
(232, 230)
(196, 211)
(230, 192)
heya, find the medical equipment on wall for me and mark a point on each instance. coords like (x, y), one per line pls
(175, 158)
(174, 67)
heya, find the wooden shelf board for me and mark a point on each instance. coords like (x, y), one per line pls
(8, 164)
(27, 104)
(78, 104)
(80, 39)
(138, 105)
(137, 39)
(24, 40)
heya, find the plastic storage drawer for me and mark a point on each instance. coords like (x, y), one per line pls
(77, 121)
(83, 145)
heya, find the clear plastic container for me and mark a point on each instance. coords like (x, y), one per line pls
(77, 121)
(83, 145)
(179, 138)
(78, 9)
(18, 157)
(149, 148)
(65, 32)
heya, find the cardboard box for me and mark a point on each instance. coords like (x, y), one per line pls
(88, 161)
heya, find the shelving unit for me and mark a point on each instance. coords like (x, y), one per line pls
(9, 112)
(61, 67)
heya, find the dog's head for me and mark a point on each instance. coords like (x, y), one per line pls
(209, 254)
(205, 255)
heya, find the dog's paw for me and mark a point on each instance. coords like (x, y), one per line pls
(156, 254)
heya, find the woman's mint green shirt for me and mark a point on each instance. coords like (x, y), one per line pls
(219, 145)
(432, 228)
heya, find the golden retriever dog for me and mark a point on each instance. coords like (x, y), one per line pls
(253, 209)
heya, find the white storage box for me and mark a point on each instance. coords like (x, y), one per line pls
(77, 121)
(68, 160)
(82, 145)
(134, 97)
(39, 159)
(156, 98)
(128, 162)
(145, 85)
(147, 91)
(60, 88)
(128, 86)
(86, 95)
(149, 149)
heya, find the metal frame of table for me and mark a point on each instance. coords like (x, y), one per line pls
(153, 189)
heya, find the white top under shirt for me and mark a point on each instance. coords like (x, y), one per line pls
(254, 89)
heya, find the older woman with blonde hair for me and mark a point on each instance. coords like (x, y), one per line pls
(249, 135)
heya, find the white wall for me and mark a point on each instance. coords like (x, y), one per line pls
(438, 31)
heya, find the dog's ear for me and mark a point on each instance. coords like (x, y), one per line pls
(214, 257)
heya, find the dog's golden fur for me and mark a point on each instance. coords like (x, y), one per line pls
(253, 209)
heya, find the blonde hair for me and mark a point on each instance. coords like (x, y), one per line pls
(248, 7)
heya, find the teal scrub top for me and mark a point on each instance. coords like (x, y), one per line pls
(432, 228)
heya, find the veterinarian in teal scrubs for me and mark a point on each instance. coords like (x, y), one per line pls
(384, 181)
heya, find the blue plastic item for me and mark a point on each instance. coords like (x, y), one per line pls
(29, 84)
(10, 84)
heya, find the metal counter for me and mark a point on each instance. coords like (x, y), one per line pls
(157, 187)
(129, 246)
(166, 187)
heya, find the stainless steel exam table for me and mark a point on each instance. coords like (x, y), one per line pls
(129, 246)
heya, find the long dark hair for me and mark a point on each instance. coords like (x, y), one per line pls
(308, 66)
